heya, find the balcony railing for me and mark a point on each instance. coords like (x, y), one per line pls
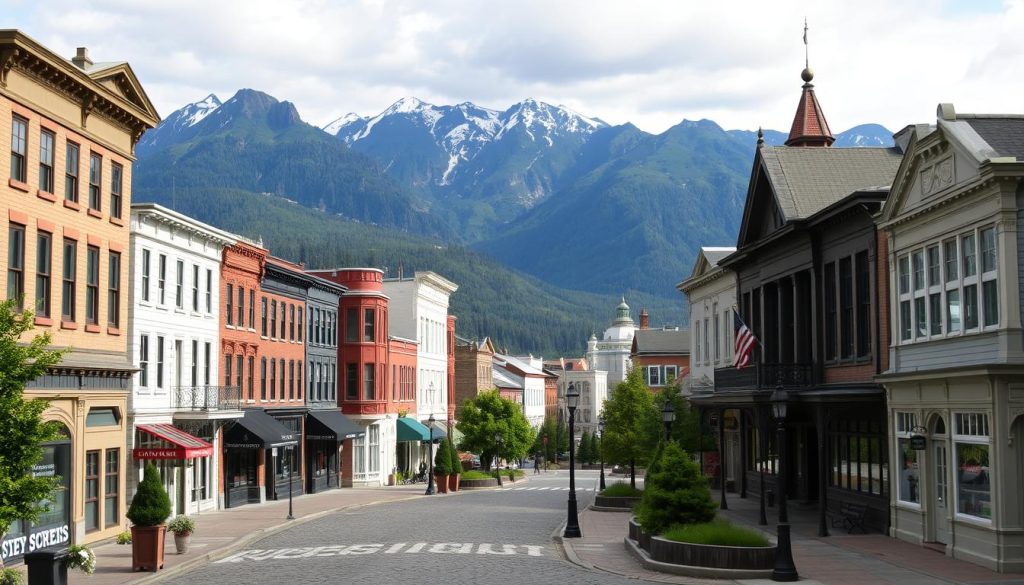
(207, 398)
(765, 376)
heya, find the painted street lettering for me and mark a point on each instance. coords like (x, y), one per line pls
(464, 548)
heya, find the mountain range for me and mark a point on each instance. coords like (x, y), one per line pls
(556, 194)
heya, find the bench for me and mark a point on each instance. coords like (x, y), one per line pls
(851, 515)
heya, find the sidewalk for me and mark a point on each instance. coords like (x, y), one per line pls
(224, 531)
(840, 559)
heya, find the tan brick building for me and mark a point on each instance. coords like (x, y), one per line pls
(69, 128)
(473, 375)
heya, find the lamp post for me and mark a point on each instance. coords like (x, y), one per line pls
(600, 448)
(430, 456)
(668, 416)
(497, 455)
(785, 569)
(291, 455)
(572, 525)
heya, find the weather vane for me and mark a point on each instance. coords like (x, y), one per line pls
(807, 60)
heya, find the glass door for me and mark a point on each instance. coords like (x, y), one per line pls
(940, 495)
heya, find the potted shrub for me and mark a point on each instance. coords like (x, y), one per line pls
(675, 492)
(455, 469)
(80, 557)
(182, 526)
(149, 510)
(442, 465)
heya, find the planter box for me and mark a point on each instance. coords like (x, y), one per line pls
(732, 558)
(148, 547)
(615, 502)
(477, 484)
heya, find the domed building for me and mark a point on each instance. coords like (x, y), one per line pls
(611, 352)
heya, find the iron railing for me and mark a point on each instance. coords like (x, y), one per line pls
(765, 376)
(207, 398)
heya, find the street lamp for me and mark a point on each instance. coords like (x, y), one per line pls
(668, 416)
(291, 455)
(572, 525)
(600, 447)
(785, 569)
(497, 455)
(430, 456)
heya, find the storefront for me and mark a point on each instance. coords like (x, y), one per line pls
(183, 461)
(326, 430)
(252, 445)
(409, 457)
(52, 527)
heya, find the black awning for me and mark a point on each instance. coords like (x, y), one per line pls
(258, 430)
(331, 425)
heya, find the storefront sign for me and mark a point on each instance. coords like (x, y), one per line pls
(171, 453)
(918, 442)
(39, 537)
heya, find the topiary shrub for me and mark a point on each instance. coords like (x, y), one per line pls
(151, 506)
(442, 459)
(455, 464)
(674, 493)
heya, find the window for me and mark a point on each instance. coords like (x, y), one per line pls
(144, 361)
(846, 319)
(206, 363)
(933, 266)
(263, 316)
(989, 289)
(179, 285)
(145, 274)
(273, 318)
(92, 490)
(46, 141)
(159, 362)
(949, 252)
(718, 338)
(368, 328)
(316, 332)
(859, 461)
(229, 299)
(696, 342)
(974, 491)
(195, 363)
(284, 318)
(92, 285)
(273, 378)
(114, 290)
(727, 333)
(227, 371)
(71, 172)
(195, 288)
(44, 241)
(263, 379)
(116, 172)
(252, 309)
(351, 382)
(671, 373)
(291, 379)
(16, 263)
(68, 280)
(252, 374)
(970, 256)
(241, 306)
(373, 436)
(909, 469)
(653, 375)
(368, 370)
(19, 146)
(291, 320)
(298, 326)
(111, 480)
(161, 277)
(351, 325)
(240, 363)
(863, 275)
(298, 379)
(95, 176)
(209, 290)
(309, 335)
(280, 394)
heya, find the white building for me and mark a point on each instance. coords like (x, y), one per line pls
(175, 404)
(528, 374)
(711, 292)
(611, 352)
(419, 311)
(593, 388)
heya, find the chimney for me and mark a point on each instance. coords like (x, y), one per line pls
(81, 58)
(644, 319)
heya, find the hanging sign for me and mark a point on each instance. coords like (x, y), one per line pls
(918, 442)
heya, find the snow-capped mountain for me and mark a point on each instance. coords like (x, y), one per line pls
(864, 135)
(177, 127)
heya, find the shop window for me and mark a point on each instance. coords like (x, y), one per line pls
(974, 491)
(859, 461)
(111, 481)
(909, 465)
(92, 490)
(373, 463)
(104, 416)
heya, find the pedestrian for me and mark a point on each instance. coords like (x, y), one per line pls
(536, 464)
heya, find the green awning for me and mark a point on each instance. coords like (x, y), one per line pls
(410, 429)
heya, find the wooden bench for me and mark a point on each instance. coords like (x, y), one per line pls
(851, 515)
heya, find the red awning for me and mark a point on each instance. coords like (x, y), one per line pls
(178, 444)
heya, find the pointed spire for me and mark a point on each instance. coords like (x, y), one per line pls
(760, 137)
(809, 125)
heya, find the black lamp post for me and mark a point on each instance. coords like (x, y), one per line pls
(600, 448)
(291, 455)
(572, 525)
(430, 456)
(785, 569)
(497, 455)
(668, 416)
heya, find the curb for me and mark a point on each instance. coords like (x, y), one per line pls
(252, 537)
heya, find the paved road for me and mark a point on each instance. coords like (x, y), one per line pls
(490, 536)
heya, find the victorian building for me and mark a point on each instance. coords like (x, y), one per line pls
(70, 127)
(663, 354)
(611, 352)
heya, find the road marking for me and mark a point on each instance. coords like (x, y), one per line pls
(484, 548)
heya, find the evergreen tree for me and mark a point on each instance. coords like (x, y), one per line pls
(23, 429)
(631, 424)
(150, 506)
(675, 492)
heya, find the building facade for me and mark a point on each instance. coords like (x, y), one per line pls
(473, 360)
(711, 295)
(611, 352)
(955, 379)
(70, 128)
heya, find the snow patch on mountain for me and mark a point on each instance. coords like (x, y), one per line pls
(336, 126)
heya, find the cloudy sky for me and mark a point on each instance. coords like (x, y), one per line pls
(650, 62)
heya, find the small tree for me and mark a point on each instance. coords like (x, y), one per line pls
(631, 427)
(586, 449)
(675, 492)
(485, 415)
(23, 429)
(455, 464)
(442, 459)
(150, 506)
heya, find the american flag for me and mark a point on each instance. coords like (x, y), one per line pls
(744, 344)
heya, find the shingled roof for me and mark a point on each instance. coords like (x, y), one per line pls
(807, 180)
(1004, 134)
(661, 342)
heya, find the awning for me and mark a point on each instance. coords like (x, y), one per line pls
(177, 444)
(440, 430)
(410, 429)
(331, 425)
(258, 430)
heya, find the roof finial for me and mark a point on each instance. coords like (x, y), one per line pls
(807, 74)
(760, 137)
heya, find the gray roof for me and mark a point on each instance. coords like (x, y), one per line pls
(1004, 135)
(715, 254)
(807, 180)
(661, 341)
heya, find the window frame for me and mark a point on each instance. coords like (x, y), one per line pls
(116, 186)
(47, 156)
(114, 289)
(16, 264)
(92, 285)
(72, 171)
(44, 273)
(19, 148)
(95, 181)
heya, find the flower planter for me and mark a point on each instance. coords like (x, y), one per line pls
(148, 547)
(621, 503)
(453, 482)
(181, 541)
(441, 483)
(702, 560)
(478, 484)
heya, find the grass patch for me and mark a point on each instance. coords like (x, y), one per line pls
(622, 490)
(719, 532)
(476, 474)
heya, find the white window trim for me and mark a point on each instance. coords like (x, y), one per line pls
(976, 439)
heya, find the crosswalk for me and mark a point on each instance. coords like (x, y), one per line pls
(541, 489)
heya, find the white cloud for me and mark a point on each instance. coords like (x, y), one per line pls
(650, 62)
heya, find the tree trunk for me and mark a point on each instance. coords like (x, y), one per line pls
(632, 473)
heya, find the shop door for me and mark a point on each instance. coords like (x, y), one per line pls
(940, 494)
